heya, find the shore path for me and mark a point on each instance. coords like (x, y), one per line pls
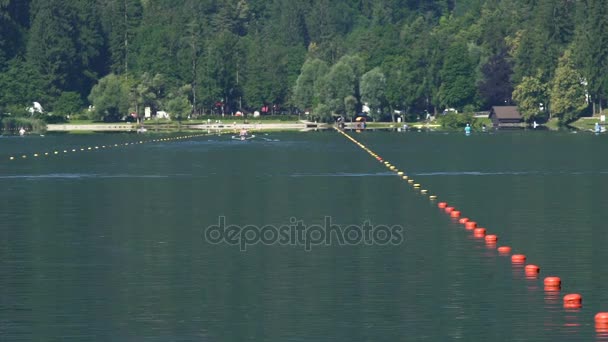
(128, 127)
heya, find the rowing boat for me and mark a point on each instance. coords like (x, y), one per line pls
(242, 137)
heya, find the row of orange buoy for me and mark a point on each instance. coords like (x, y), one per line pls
(93, 148)
(552, 284)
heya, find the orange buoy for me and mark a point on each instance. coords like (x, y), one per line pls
(442, 205)
(552, 282)
(573, 298)
(601, 318)
(518, 258)
(455, 214)
(449, 209)
(573, 301)
(479, 232)
(504, 250)
(601, 328)
(463, 220)
(470, 225)
(532, 270)
(573, 306)
(491, 239)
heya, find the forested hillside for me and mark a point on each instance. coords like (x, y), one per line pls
(192, 57)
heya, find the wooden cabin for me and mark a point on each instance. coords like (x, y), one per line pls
(506, 116)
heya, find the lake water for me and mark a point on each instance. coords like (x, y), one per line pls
(111, 244)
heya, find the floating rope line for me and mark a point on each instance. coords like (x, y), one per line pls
(552, 284)
(98, 147)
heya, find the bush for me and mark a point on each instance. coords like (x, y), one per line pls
(469, 108)
(54, 119)
(17, 111)
(82, 116)
(455, 121)
(14, 123)
(411, 117)
(68, 103)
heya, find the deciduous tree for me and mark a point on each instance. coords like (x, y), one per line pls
(110, 97)
(457, 78)
(373, 91)
(531, 97)
(306, 93)
(568, 98)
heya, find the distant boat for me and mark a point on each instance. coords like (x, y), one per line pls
(242, 137)
(141, 130)
(21, 131)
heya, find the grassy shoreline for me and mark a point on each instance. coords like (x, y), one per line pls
(168, 126)
(81, 126)
(586, 123)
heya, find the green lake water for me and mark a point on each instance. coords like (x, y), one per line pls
(110, 244)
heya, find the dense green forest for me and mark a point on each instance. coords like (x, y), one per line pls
(324, 57)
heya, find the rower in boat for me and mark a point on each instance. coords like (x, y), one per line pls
(243, 135)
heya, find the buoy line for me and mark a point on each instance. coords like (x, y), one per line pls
(552, 284)
(98, 147)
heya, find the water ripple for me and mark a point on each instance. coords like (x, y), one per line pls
(72, 176)
(78, 176)
(452, 173)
